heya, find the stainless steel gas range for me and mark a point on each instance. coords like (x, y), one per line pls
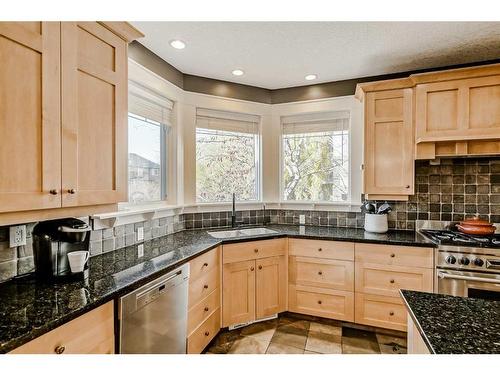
(466, 265)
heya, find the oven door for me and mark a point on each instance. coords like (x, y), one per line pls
(469, 284)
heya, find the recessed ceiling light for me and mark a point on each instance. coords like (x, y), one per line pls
(238, 72)
(311, 77)
(178, 44)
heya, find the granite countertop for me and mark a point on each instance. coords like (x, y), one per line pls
(30, 308)
(455, 325)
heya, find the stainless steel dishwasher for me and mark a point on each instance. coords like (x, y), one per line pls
(153, 318)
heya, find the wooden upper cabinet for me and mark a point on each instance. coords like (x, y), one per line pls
(94, 115)
(30, 148)
(458, 110)
(389, 144)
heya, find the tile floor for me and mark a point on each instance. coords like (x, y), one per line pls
(300, 334)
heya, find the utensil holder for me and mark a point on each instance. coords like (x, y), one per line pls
(376, 223)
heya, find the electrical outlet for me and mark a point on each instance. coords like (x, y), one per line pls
(17, 235)
(302, 219)
(140, 250)
(140, 234)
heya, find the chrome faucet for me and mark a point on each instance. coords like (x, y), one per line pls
(233, 214)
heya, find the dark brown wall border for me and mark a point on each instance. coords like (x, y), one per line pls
(233, 90)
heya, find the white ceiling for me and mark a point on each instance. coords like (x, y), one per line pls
(280, 54)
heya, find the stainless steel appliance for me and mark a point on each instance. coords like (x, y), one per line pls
(53, 240)
(466, 265)
(153, 318)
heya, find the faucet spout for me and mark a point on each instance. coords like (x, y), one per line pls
(233, 214)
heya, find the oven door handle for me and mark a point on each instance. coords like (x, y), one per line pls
(444, 275)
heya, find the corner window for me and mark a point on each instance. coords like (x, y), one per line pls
(315, 157)
(227, 156)
(148, 124)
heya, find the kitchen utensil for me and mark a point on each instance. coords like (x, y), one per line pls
(384, 209)
(369, 208)
(476, 226)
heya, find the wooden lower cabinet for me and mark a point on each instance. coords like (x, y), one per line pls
(416, 344)
(322, 273)
(327, 303)
(91, 333)
(201, 337)
(380, 311)
(270, 282)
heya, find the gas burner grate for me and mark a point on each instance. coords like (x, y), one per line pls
(449, 237)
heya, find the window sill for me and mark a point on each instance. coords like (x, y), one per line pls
(129, 214)
(316, 206)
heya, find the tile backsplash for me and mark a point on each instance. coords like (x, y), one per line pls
(451, 191)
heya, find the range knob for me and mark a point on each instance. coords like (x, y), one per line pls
(478, 262)
(450, 259)
(464, 261)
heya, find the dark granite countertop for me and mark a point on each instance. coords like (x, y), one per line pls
(455, 325)
(30, 308)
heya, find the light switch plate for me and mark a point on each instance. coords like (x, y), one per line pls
(302, 219)
(140, 234)
(17, 235)
(140, 250)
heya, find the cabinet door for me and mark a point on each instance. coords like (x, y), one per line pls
(94, 115)
(458, 110)
(238, 296)
(271, 286)
(30, 150)
(389, 146)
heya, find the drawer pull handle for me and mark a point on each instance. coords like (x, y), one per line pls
(205, 264)
(260, 267)
(320, 249)
(320, 273)
(206, 308)
(207, 333)
(392, 281)
(391, 313)
(205, 286)
(393, 255)
(319, 302)
(53, 191)
(251, 268)
(59, 349)
(71, 191)
(255, 250)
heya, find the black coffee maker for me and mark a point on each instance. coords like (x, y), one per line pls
(53, 240)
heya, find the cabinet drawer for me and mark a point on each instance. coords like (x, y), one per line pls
(327, 303)
(203, 264)
(203, 309)
(321, 249)
(322, 273)
(203, 286)
(242, 251)
(387, 280)
(395, 255)
(201, 337)
(91, 333)
(380, 311)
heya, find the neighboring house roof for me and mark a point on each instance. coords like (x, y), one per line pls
(139, 161)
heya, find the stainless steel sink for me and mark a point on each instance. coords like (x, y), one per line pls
(241, 232)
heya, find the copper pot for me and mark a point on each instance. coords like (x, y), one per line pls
(476, 226)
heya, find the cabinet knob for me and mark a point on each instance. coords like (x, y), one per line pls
(407, 186)
(59, 349)
(255, 250)
(71, 191)
(391, 313)
(392, 281)
(206, 308)
(320, 273)
(393, 255)
(205, 264)
(320, 249)
(319, 302)
(53, 191)
(205, 286)
(207, 333)
(260, 267)
(251, 268)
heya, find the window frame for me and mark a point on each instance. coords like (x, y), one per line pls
(284, 201)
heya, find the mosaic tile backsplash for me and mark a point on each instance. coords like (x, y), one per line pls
(450, 191)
